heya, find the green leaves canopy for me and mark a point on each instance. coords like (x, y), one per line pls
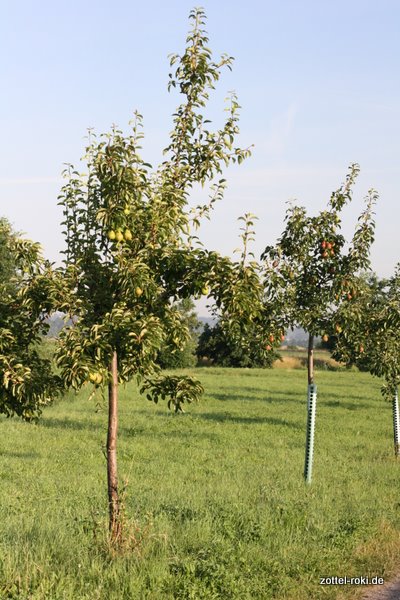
(310, 273)
(129, 254)
(27, 381)
(371, 339)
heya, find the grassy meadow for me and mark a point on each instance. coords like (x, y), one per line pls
(215, 503)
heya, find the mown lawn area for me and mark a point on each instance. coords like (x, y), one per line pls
(215, 502)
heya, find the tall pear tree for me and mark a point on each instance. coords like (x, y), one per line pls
(310, 274)
(130, 253)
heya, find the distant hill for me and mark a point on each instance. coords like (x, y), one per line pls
(56, 323)
(297, 337)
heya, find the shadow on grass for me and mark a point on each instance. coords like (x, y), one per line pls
(101, 428)
(71, 424)
(348, 405)
(18, 455)
(168, 433)
(237, 391)
(287, 396)
(226, 417)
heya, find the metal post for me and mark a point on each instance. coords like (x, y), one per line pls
(396, 424)
(311, 410)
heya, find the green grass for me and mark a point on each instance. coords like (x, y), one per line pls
(215, 501)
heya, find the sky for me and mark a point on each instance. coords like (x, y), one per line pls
(318, 83)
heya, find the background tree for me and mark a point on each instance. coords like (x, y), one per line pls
(256, 330)
(219, 349)
(310, 274)
(27, 382)
(130, 258)
(371, 339)
(172, 357)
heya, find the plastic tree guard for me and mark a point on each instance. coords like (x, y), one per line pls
(396, 424)
(311, 410)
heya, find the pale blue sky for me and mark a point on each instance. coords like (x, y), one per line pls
(318, 82)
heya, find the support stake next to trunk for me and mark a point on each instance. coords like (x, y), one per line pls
(112, 475)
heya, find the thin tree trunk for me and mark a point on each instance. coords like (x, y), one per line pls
(310, 359)
(112, 476)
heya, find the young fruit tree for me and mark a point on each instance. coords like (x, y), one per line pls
(372, 339)
(130, 256)
(310, 274)
(27, 381)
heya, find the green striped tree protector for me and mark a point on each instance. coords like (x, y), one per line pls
(396, 423)
(311, 410)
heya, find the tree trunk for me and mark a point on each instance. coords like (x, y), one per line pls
(112, 476)
(310, 359)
